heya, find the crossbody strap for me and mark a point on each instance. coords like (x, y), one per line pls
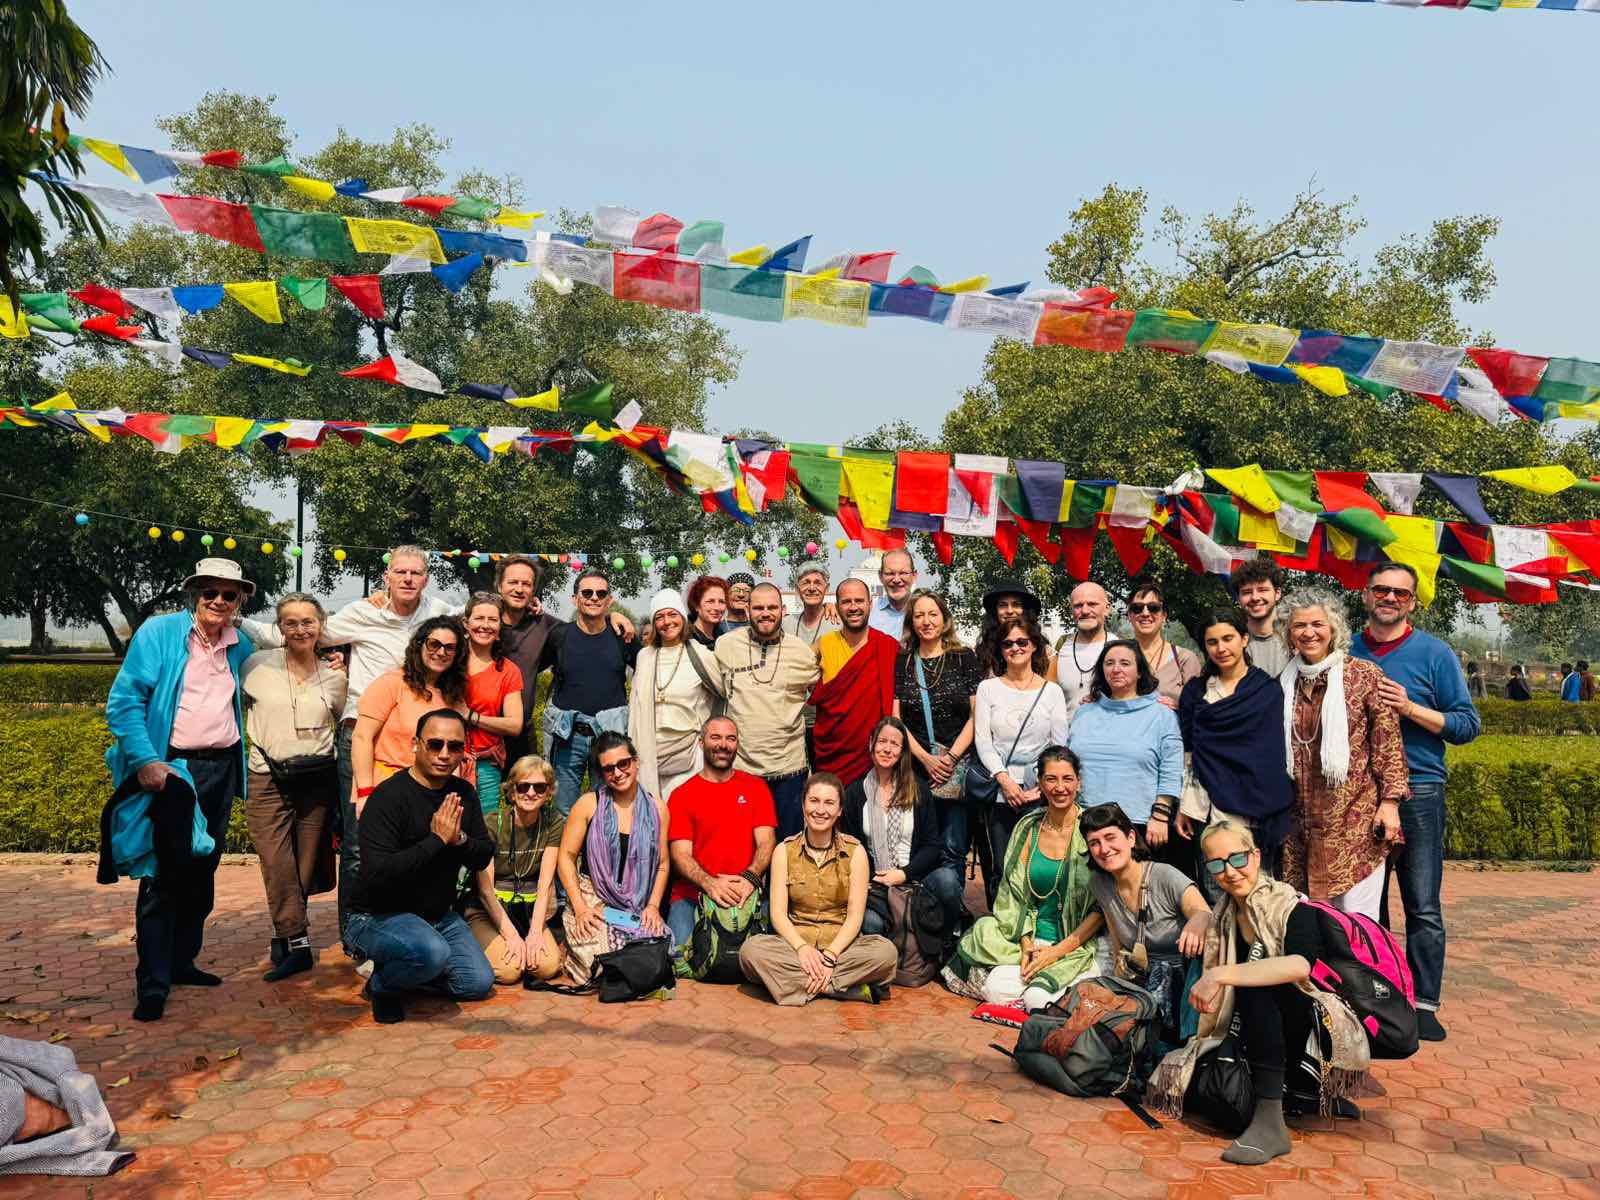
(1026, 717)
(927, 709)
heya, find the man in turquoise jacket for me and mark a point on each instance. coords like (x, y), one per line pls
(178, 763)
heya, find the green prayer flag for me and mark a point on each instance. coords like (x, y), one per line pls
(698, 236)
(471, 208)
(743, 292)
(1362, 523)
(311, 293)
(1165, 329)
(1480, 576)
(1087, 501)
(1381, 390)
(1225, 530)
(48, 310)
(1569, 381)
(819, 476)
(921, 276)
(1295, 487)
(591, 402)
(273, 166)
(1012, 496)
(303, 234)
(187, 426)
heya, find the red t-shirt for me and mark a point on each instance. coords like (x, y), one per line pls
(486, 694)
(719, 820)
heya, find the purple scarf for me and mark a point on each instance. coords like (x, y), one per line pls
(603, 850)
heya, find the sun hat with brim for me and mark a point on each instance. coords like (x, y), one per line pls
(224, 570)
(1010, 587)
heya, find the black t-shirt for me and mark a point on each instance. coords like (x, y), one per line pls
(952, 681)
(1303, 937)
(590, 669)
(405, 868)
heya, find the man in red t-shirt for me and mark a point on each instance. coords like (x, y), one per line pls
(721, 831)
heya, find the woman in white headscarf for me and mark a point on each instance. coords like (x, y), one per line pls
(676, 689)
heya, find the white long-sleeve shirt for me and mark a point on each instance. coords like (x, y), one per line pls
(999, 713)
(377, 638)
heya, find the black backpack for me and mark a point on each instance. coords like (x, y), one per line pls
(1098, 1040)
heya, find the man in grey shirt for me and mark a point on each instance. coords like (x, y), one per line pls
(1257, 587)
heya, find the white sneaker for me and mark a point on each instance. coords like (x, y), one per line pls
(364, 968)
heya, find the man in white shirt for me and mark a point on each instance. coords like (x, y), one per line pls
(1080, 653)
(898, 574)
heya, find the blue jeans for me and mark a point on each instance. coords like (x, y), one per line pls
(957, 833)
(1420, 867)
(788, 797)
(947, 883)
(680, 919)
(408, 952)
(570, 758)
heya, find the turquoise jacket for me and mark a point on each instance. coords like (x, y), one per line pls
(140, 709)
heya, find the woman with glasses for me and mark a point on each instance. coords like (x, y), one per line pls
(494, 699)
(613, 860)
(1343, 746)
(1173, 666)
(676, 684)
(1042, 935)
(1306, 1049)
(512, 900)
(292, 702)
(434, 675)
(1015, 715)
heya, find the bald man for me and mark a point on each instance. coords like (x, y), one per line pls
(1080, 653)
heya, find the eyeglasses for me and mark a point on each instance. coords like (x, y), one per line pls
(228, 594)
(1381, 590)
(435, 646)
(1153, 608)
(618, 767)
(292, 626)
(594, 593)
(1237, 860)
(528, 786)
(1016, 644)
(403, 573)
(436, 745)
(899, 574)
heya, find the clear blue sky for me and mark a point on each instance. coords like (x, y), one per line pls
(960, 136)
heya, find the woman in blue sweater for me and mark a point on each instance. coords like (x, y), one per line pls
(1128, 742)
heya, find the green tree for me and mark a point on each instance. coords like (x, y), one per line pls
(1147, 417)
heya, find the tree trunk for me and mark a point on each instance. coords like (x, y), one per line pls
(110, 630)
(38, 623)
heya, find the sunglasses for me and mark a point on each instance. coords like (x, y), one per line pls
(616, 768)
(1153, 608)
(1016, 644)
(228, 594)
(435, 646)
(594, 593)
(528, 787)
(1381, 590)
(437, 745)
(1237, 860)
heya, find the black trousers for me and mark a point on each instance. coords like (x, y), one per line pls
(1274, 1023)
(170, 918)
(1001, 820)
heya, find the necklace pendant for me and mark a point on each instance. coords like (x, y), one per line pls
(661, 695)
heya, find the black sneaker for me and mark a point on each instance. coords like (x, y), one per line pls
(295, 961)
(149, 1008)
(193, 976)
(1428, 1027)
(386, 1010)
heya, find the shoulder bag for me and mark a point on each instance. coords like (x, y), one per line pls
(952, 788)
(981, 783)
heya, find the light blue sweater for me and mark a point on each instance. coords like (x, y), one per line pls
(140, 709)
(1131, 753)
(1431, 674)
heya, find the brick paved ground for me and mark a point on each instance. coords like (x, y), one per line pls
(291, 1090)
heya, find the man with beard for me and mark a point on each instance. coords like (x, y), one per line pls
(1080, 653)
(856, 688)
(898, 574)
(1257, 588)
(767, 677)
(720, 832)
(1423, 683)
(809, 624)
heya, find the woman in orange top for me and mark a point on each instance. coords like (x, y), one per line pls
(494, 699)
(434, 675)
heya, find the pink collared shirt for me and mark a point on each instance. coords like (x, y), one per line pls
(205, 718)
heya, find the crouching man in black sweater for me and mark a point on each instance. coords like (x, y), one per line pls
(416, 831)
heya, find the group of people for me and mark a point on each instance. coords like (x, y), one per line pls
(815, 780)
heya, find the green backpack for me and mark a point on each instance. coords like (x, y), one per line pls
(712, 952)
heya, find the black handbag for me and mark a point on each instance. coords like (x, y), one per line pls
(1221, 1092)
(638, 969)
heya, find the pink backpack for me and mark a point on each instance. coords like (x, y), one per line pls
(1365, 967)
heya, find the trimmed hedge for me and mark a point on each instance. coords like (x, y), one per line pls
(1539, 717)
(56, 683)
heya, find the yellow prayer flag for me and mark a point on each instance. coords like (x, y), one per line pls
(752, 257)
(870, 484)
(830, 273)
(1341, 543)
(417, 433)
(230, 431)
(1067, 489)
(273, 364)
(1327, 380)
(1414, 533)
(316, 189)
(1424, 562)
(112, 153)
(14, 415)
(395, 237)
(1546, 481)
(831, 301)
(13, 324)
(1249, 484)
(260, 298)
(60, 402)
(549, 400)
(92, 426)
(973, 283)
(1266, 345)
(1578, 412)
(1262, 532)
(514, 219)
(595, 433)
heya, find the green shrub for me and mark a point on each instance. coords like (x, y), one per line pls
(1499, 750)
(1539, 717)
(56, 683)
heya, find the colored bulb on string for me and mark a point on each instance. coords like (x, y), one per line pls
(619, 562)
(154, 531)
(812, 548)
(178, 535)
(230, 543)
(266, 547)
(473, 562)
(749, 556)
(339, 555)
(722, 556)
(672, 560)
(646, 561)
(697, 560)
(386, 558)
(82, 518)
(295, 551)
(783, 552)
(840, 543)
(206, 540)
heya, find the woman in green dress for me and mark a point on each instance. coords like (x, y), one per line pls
(1043, 935)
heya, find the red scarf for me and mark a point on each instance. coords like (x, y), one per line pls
(1379, 649)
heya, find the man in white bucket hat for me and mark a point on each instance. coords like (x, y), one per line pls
(178, 764)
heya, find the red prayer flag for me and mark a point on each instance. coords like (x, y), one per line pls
(1006, 539)
(214, 218)
(107, 326)
(658, 232)
(870, 268)
(364, 291)
(922, 483)
(96, 296)
(1039, 534)
(1511, 373)
(1128, 540)
(944, 545)
(1346, 489)
(657, 279)
(1311, 560)
(870, 539)
(432, 205)
(979, 485)
(230, 160)
(1105, 330)
(1172, 534)
(1473, 544)
(384, 369)
(1077, 551)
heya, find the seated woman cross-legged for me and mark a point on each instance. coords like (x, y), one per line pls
(818, 900)
(892, 813)
(1258, 957)
(1041, 938)
(613, 861)
(512, 899)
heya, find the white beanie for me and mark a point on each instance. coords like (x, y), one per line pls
(668, 598)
